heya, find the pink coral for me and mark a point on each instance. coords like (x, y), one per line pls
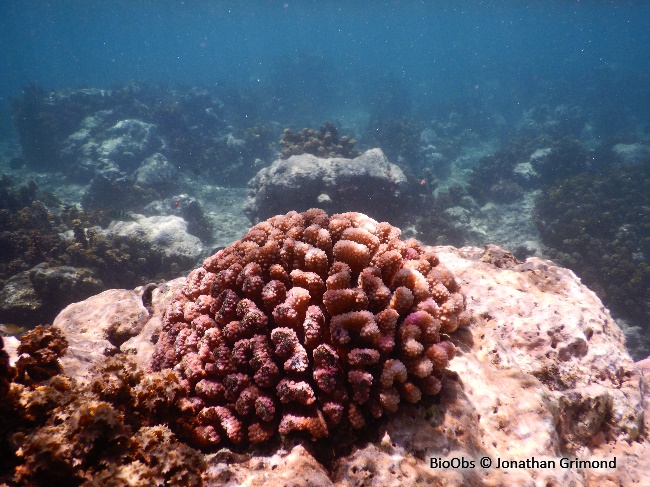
(306, 324)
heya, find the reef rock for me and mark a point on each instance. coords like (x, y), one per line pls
(166, 234)
(129, 142)
(157, 172)
(632, 153)
(117, 320)
(103, 143)
(19, 302)
(541, 374)
(65, 284)
(37, 295)
(369, 184)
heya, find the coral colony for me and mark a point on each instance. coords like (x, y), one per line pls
(307, 324)
(322, 143)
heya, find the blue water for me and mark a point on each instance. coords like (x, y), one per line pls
(333, 55)
(437, 85)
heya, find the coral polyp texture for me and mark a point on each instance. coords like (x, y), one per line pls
(309, 323)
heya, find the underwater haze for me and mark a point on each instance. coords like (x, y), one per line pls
(520, 124)
(498, 53)
(264, 226)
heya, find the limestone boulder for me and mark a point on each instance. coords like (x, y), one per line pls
(368, 184)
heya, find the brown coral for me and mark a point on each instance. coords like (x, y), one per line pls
(40, 350)
(306, 324)
(65, 433)
(324, 142)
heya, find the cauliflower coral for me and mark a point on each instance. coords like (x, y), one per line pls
(308, 323)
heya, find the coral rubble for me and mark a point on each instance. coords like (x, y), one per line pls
(308, 323)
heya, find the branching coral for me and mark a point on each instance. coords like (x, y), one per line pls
(40, 350)
(322, 143)
(64, 433)
(308, 323)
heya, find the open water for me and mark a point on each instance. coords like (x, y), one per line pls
(335, 56)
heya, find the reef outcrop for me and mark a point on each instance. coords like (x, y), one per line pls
(52, 257)
(110, 136)
(541, 372)
(368, 184)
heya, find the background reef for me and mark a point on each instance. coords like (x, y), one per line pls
(54, 255)
(497, 118)
(598, 224)
(113, 165)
